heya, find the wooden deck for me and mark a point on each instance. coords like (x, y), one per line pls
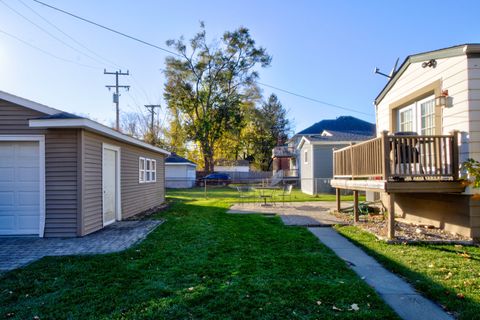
(398, 164)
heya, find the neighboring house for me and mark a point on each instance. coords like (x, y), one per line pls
(62, 175)
(316, 159)
(179, 172)
(232, 166)
(287, 160)
(436, 97)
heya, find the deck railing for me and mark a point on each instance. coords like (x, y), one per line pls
(283, 152)
(399, 157)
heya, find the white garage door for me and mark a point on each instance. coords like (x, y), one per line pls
(19, 188)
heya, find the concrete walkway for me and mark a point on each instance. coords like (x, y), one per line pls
(308, 214)
(19, 251)
(397, 293)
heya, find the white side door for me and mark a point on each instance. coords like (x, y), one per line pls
(110, 187)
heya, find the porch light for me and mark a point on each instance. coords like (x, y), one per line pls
(441, 101)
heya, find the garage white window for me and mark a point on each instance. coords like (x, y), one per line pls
(147, 170)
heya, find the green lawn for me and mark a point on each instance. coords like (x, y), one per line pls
(448, 274)
(200, 264)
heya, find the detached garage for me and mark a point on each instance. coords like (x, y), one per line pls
(179, 172)
(64, 176)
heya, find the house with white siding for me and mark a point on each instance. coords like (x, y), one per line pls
(428, 124)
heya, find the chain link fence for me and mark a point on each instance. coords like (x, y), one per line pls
(307, 186)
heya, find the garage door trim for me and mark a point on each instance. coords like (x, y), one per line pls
(41, 145)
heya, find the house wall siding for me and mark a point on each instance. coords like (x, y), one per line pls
(136, 197)
(453, 74)
(323, 168)
(61, 160)
(14, 119)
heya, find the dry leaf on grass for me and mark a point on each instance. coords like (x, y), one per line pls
(354, 307)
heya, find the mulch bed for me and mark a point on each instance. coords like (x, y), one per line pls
(406, 231)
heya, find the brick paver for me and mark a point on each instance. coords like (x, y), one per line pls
(19, 251)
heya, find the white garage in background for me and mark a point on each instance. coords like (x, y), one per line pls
(179, 172)
(22, 185)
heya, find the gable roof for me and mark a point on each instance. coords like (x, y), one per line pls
(335, 137)
(28, 103)
(174, 158)
(55, 118)
(458, 50)
(341, 124)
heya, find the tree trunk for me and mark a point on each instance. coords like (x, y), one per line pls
(208, 158)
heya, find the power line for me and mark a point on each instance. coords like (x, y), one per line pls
(70, 37)
(110, 62)
(47, 32)
(107, 28)
(312, 99)
(178, 55)
(46, 52)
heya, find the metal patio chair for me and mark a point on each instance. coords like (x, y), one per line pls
(286, 192)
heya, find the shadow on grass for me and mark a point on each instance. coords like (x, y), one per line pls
(201, 263)
(463, 307)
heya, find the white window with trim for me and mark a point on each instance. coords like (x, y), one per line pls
(305, 155)
(147, 170)
(418, 117)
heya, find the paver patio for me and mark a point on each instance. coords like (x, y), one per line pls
(19, 251)
(315, 213)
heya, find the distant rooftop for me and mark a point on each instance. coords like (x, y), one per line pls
(341, 124)
(340, 136)
(175, 158)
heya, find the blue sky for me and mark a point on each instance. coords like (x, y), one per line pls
(326, 50)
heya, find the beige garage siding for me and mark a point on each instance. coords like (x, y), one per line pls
(136, 197)
(61, 183)
(14, 119)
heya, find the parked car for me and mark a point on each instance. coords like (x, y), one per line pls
(221, 179)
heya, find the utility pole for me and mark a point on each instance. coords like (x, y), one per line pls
(151, 109)
(116, 94)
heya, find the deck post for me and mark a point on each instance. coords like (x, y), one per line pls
(454, 154)
(386, 155)
(337, 196)
(391, 216)
(355, 206)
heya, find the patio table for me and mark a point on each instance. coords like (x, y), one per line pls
(265, 193)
